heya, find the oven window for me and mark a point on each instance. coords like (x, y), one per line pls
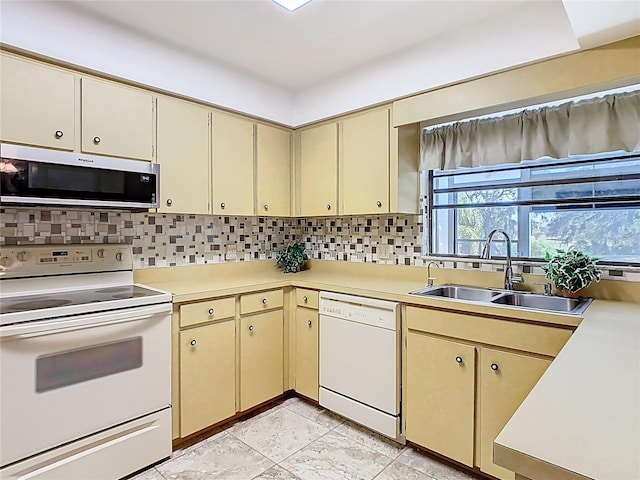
(75, 366)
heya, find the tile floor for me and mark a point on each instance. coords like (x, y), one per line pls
(295, 440)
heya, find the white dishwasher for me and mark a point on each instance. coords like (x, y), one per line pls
(360, 361)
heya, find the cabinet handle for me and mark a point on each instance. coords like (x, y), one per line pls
(222, 205)
(328, 206)
(379, 203)
(494, 367)
(211, 311)
(309, 322)
(193, 343)
(169, 202)
(251, 328)
(266, 207)
(305, 299)
(96, 140)
(59, 133)
(264, 301)
(459, 359)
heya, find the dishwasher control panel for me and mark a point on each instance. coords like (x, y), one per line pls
(369, 311)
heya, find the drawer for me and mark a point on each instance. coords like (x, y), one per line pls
(519, 335)
(257, 302)
(306, 298)
(207, 311)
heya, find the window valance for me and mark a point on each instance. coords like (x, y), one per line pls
(605, 124)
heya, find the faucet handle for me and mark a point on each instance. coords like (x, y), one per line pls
(546, 285)
(517, 278)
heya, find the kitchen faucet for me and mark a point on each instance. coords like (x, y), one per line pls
(509, 278)
(429, 277)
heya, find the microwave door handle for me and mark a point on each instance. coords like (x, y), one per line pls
(46, 327)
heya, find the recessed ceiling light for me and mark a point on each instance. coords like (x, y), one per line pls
(291, 5)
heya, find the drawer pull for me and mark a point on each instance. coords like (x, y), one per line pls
(251, 328)
(494, 367)
(264, 301)
(305, 299)
(193, 343)
(96, 140)
(459, 359)
(211, 311)
(59, 133)
(309, 322)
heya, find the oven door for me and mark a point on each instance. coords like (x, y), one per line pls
(65, 379)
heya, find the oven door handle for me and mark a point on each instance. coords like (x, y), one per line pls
(56, 325)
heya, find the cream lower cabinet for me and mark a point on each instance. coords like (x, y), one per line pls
(38, 104)
(306, 357)
(460, 391)
(441, 396)
(207, 376)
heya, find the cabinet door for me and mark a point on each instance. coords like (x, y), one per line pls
(232, 165)
(306, 358)
(116, 120)
(440, 396)
(261, 358)
(37, 104)
(207, 376)
(364, 163)
(318, 188)
(505, 381)
(273, 171)
(183, 155)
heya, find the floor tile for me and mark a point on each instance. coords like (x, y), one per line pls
(336, 457)
(224, 458)
(319, 415)
(370, 439)
(399, 471)
(278, 434)
(276, 473)
(432, 467)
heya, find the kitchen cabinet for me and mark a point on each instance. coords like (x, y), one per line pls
(261, 357)
(505, 381)
(116, 120)
(207, 376)
(364, 161)
(232, 162)
(183, 154)
(273, 171)
(38, 104)
(306, 345)
(441, 396)
(317, 192)
(444, 379)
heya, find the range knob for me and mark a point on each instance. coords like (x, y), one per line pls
(22, 256)
(119, 256)
(100, 253)
(5, 262)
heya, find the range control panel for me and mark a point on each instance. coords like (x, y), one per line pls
(36, 260)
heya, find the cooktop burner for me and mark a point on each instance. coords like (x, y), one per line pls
(34, 305)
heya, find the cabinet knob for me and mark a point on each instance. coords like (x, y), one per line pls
(193, 343)
(305, 299)
(266, 207)
(328, 206)
(211, 311)
(264, 301)
(222, 205)
(459, 359)
(251, 328)
(309, 322)
(59, 134)
(494, 367)
(379, 203)
(96, 140)
(169, 202)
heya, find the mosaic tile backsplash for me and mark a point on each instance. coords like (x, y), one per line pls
(161, 240)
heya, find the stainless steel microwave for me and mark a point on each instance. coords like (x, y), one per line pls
(38, 176)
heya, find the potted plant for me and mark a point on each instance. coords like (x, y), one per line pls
(571, 271)
(292, 257)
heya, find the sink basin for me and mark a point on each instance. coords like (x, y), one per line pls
(459, 292)
(543, 302)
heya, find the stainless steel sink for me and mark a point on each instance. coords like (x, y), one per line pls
(543, 302)
(459, 292)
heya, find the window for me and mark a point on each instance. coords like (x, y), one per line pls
(590, 202)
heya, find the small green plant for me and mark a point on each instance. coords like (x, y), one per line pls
(572, 270)
(292, 257)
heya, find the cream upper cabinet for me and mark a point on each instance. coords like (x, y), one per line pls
(116, 120)
(183, 154)
(273, 171)
(232, 165)
(441, 396)
(306, 352)
(37, 104)
(317, 192)
(207, 376)
(364, 163)
(505, 380)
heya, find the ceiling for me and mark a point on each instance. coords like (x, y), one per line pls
(320, 40)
